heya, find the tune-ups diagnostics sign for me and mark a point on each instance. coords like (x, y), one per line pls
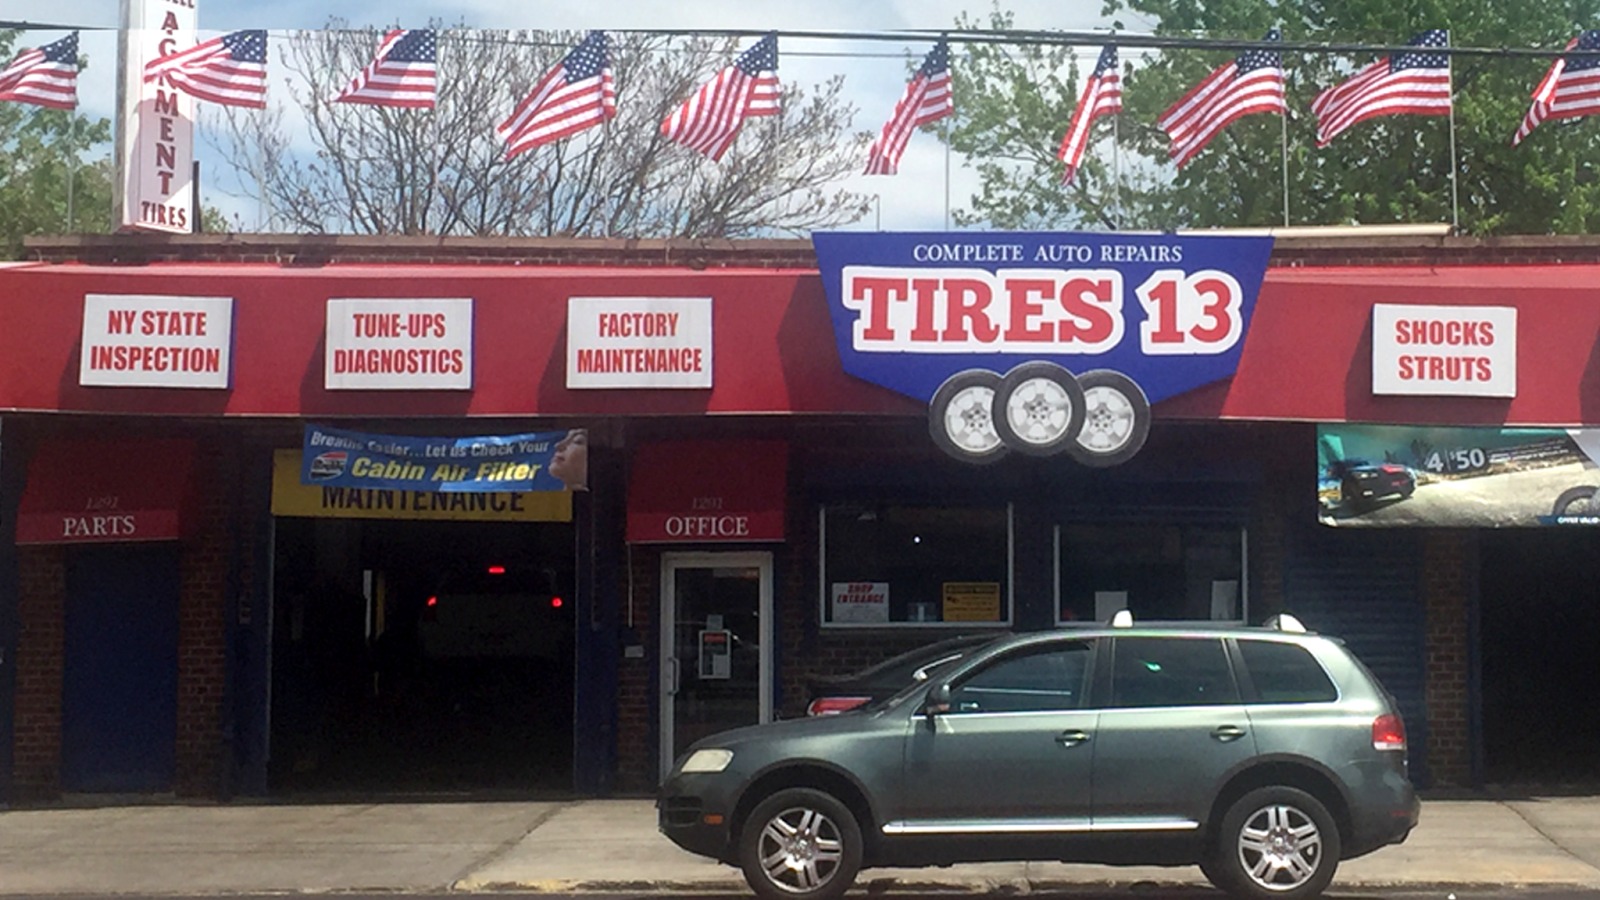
(1042, 342)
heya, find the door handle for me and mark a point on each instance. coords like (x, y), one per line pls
(1226, 733)
(1072, 738)
(672, 675)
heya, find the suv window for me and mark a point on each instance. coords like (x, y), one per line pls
(1171, 672)
(1036, 680)
(1285, 673)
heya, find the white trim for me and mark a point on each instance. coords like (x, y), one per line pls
(670, 563)
(1036, 826)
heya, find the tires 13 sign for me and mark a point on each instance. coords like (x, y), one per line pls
(1388, 476)
(1041, 342)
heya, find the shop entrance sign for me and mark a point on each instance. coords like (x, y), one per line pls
(1040, 342)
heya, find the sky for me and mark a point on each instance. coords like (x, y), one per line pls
(914, 199)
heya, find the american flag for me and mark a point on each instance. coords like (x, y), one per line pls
(402, 74)
(927, 99)
(44, 76)
(1570, 90)
(231, 70)
(577, 94)
(709, 121)
(1252, 83)
(1415, 81)
(1102, 96)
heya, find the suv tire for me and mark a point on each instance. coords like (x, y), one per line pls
(1276, 843)
(800, 844)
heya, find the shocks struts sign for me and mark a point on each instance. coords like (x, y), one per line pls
(1041, 343)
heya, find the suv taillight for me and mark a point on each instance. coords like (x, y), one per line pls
(829, 706)
(1388, 733)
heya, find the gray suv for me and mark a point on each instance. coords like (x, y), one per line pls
(1264, 755)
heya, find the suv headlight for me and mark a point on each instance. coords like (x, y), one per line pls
(704, 761)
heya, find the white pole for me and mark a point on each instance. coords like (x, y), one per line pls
(946, 126)
(1455, 205)
(1116, 171)
(1283, 150)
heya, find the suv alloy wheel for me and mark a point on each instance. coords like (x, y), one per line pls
(800, 844)
(1275, 842)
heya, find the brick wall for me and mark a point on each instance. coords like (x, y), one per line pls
(636, 698)
(1449, 561)
(202, 652)
(1328, 248)
(202, 658)
(40, 642)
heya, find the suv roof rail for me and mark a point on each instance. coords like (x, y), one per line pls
(1122, 618)
(1286, 623)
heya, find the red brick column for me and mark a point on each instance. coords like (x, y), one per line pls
(636, 701)
(41, 643)
(1448, 557)
(202, 635)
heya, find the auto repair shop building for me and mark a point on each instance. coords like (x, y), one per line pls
(181, 614)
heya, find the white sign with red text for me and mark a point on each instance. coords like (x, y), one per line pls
(146, 340)
(1039, 311)
(860, 601)
(1444, 351)
(399, 345)
(155, 154)
(639, 342)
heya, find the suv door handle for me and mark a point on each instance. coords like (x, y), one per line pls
(1072, 738)
(1226, 733)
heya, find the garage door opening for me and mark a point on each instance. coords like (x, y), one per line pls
(1540, 625)
(416, 656)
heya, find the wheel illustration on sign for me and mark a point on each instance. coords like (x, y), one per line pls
(1116, 419)
(1038, 408)
(1578, 501)
(961, 417)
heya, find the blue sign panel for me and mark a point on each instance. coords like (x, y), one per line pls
(542, 461)
(1040, 342)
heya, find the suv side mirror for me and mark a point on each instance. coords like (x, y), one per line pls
(937, 701)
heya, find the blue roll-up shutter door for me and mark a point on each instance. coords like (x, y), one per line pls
(1363, 586)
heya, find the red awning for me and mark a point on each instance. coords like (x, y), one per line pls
(708, 492)
(104, 491)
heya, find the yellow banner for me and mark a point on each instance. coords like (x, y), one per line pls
(972, 601)
(291, 498)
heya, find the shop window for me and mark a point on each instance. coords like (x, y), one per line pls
(888, 565)
(1158, 572)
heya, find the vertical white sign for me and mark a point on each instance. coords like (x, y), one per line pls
(155, 122)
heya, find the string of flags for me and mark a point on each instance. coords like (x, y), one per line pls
(579, 93)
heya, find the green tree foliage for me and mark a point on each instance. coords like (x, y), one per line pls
(1013, 104)
(42, 152)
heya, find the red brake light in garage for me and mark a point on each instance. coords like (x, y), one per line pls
(829, 706)
(1388, 733)
(497, 570)
(555, 602)
(433, 601)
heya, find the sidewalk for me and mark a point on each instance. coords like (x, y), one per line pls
(613, 846)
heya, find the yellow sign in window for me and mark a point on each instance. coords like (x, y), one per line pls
(972, 601)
